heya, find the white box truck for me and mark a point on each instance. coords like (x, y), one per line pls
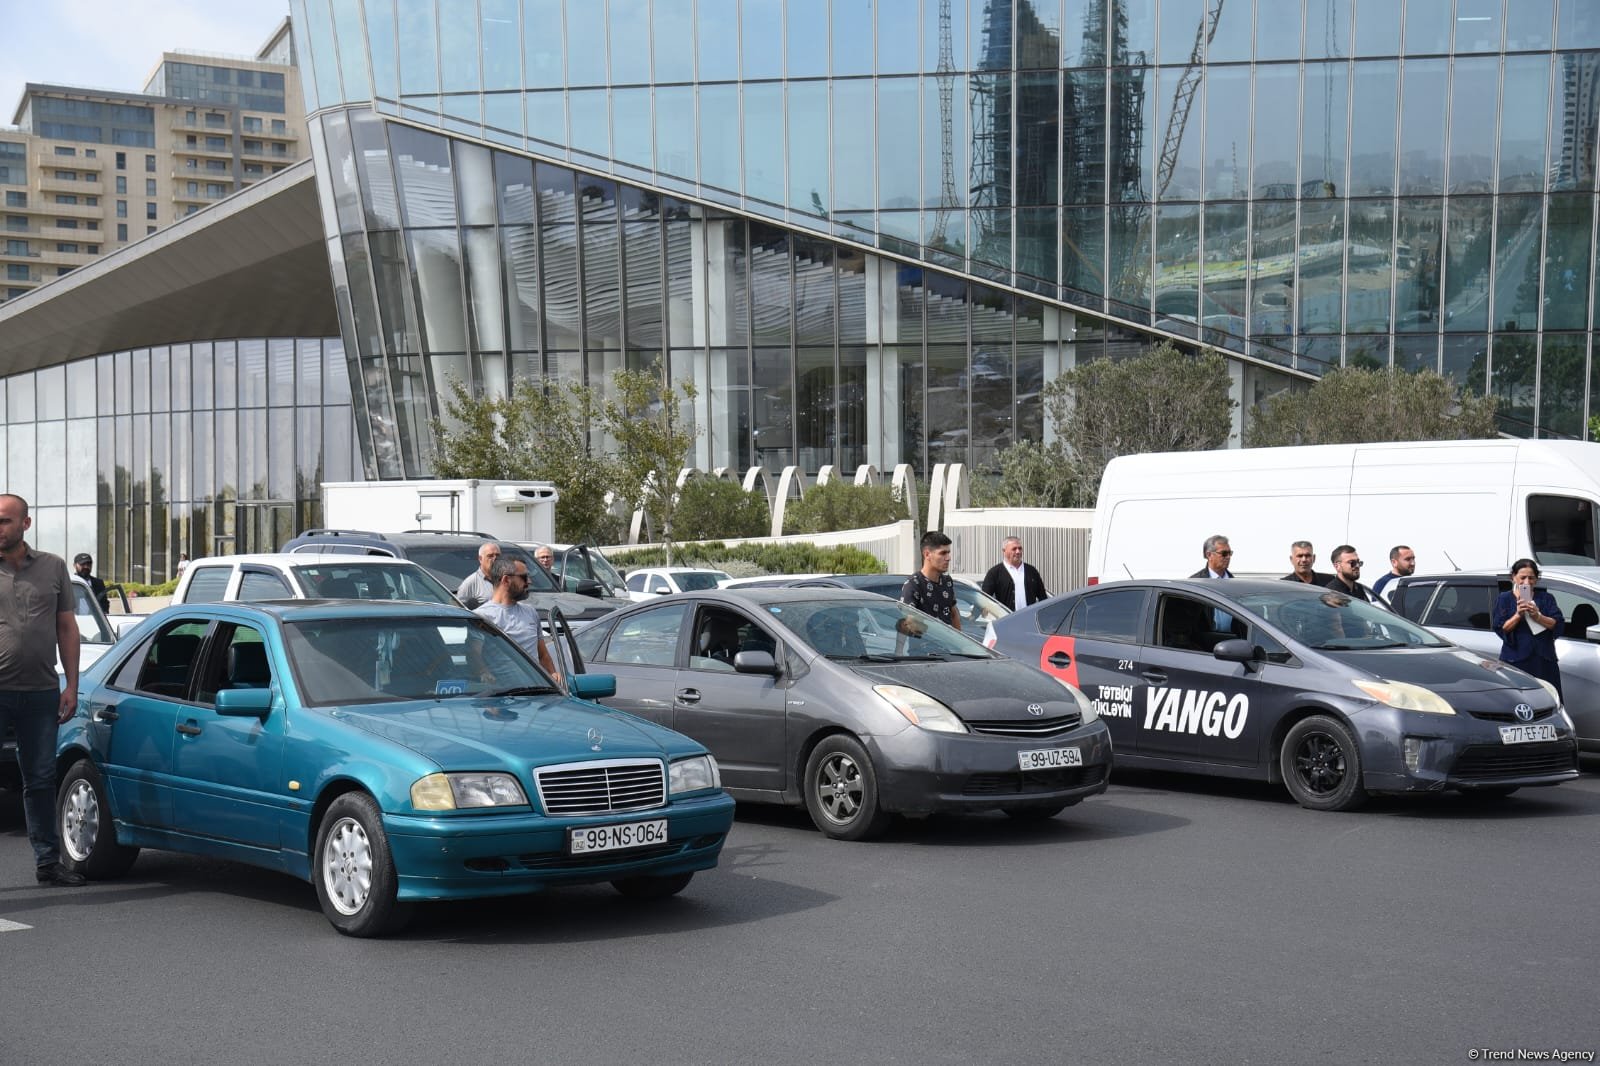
(1459, 504)
(505, 510)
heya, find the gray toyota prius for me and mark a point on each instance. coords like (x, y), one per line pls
(854, 705)
(1283, 682)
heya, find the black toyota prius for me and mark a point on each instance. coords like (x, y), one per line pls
(1283, 682)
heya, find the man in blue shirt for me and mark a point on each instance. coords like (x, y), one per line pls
(1402, 563)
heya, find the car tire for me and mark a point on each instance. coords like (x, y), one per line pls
(353, 870)
(648, 888)
(1038, 812)
(85, 827)
(1321, 765)
(841, 790)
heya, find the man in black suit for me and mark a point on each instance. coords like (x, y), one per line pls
(1014, 582)
(1218, 557)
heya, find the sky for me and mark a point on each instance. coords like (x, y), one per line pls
(115, 44)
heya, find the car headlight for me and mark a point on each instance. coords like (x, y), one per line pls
(1085, 705)
(921, 709)
(449, 792)
(692, 775)
(1404, 697)
(1555, 697)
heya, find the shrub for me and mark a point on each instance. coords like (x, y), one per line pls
(768, 558)
(841, 505)
(711, 508)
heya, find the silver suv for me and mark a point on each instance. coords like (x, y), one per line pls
(308, 576)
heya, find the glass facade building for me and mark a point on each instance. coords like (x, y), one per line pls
(872, 228)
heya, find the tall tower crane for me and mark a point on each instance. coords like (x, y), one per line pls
(945, 73)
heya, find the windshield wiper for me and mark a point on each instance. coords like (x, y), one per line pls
(521, 690)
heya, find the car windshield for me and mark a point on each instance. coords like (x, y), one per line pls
(883, 632)
(394, 658)
(695, 580)
(1331, 621)
(582, 563)
(976, 605)
(371, 581)
(92, 625)
(451, 563)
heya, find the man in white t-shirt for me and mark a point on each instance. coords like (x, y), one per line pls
(516, 619)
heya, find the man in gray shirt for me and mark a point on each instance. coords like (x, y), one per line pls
(477, 588)
(37, 616)
(518, 620)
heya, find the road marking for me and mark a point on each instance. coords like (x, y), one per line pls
(11, 927)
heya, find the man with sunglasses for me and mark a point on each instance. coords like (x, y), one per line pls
(1219, 557)
(518, 620)
(1347, 574)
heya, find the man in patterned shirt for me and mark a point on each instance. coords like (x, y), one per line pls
(930, 589)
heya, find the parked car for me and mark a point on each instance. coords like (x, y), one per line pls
(856, 706)
(95, 638)
(649, 582)
(978, 608)
(389, 753)
(1333, 697)
(301, 576)
(1458, 606)
(449, 557)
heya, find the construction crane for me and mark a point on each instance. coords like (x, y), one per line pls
(945, 73)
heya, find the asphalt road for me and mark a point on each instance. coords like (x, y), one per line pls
(1171, 920)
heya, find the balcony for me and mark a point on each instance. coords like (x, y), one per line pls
(201, 151)
(268, 156)
(82, 188)
(53, 259)
(18, 257)
(73, 210)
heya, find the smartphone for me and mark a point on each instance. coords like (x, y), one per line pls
(1524, 592)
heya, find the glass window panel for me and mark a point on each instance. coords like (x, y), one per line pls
(672, 40)
(51, 389)
(902, 312)
(514, 184)
(1133, 135)
(1129, 265)
(458, 45)
(1180, 22)
(991, 239)
(947, 309)
(1416, 352)
(395, 306)
(719, 156)
(1177, 271)
(1038, 34)
(436, 261)
(502, 50)
(1474, 84)
(1561, 384)
(1377, 27)
(1323, 130)
(590, 125)
(771, 287)
(1371, 267)
(422, 163)
(1418, 230)
(1423, 126)
(1469, 222)
(1278, 30)
(897, 47)
(943, 96)
(806, 38)
(1427, 27)
(988, 33)
(808, 147)
(1478, 24)
(814, 300)
(1524, 106)
(203, 389)
(335, 372)
(1182, 180)
(482, 259)
(853, 137)
(1327, 33)
(1224, 301)
(643, 295)
(1322, 245)
(1579, 25)
(541, 44)
(1133, 26)
(547, 116)
(1566, 262)
(1529, 27)
(1516, 263)
(1084, 131)
(761, 40)
(1578, 101)
(307, 369)
(1083, 35)
(1367, 353)
(763, 142)
(602, 285)
(252, 373)
(419, 61)
(1271, 268)
(381, 36)
(519, 261)
(279, 376)
(729, 401)
(1277, 108)
(897, 146)
(993, 370)
(630, 42)
(1231, 41)
(772, 408)
(141, 384)
(728, 283)
(81, 387)
(1515, 370)
(850, 268)
(815, 407)
(850, 405)
(1226, 157)
(947, 404)
(717, 28)
(931, 61)
(586, 43)
(630, 127)
(1037, 242)
(1036, 157)
(675, 142)
(1372, 124)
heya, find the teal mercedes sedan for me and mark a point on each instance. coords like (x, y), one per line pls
(389, 753)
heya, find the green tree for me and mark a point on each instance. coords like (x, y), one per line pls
(843, 505)
(1355, 405)
(1029, 474)
(644, 417)
(711, 508)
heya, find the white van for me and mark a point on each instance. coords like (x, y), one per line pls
(1477, 504)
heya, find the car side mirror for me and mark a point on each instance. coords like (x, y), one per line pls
(585, 587)
(755, 662)
(594, 686)
(244, 702)
(1235, 651)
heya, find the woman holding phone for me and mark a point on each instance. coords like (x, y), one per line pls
(1528, 620)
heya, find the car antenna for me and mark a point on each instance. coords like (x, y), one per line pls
(1128, 572)
(1452, 561)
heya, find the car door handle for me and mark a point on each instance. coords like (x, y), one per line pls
(1061, 659)
(1155, 677)
(189, 729)
(106, 714)
(689, 695)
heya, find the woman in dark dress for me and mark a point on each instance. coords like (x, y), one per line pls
(1520, 646)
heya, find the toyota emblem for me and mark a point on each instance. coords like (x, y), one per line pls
(1036, 709)
(1523, 712)
(596, 738)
